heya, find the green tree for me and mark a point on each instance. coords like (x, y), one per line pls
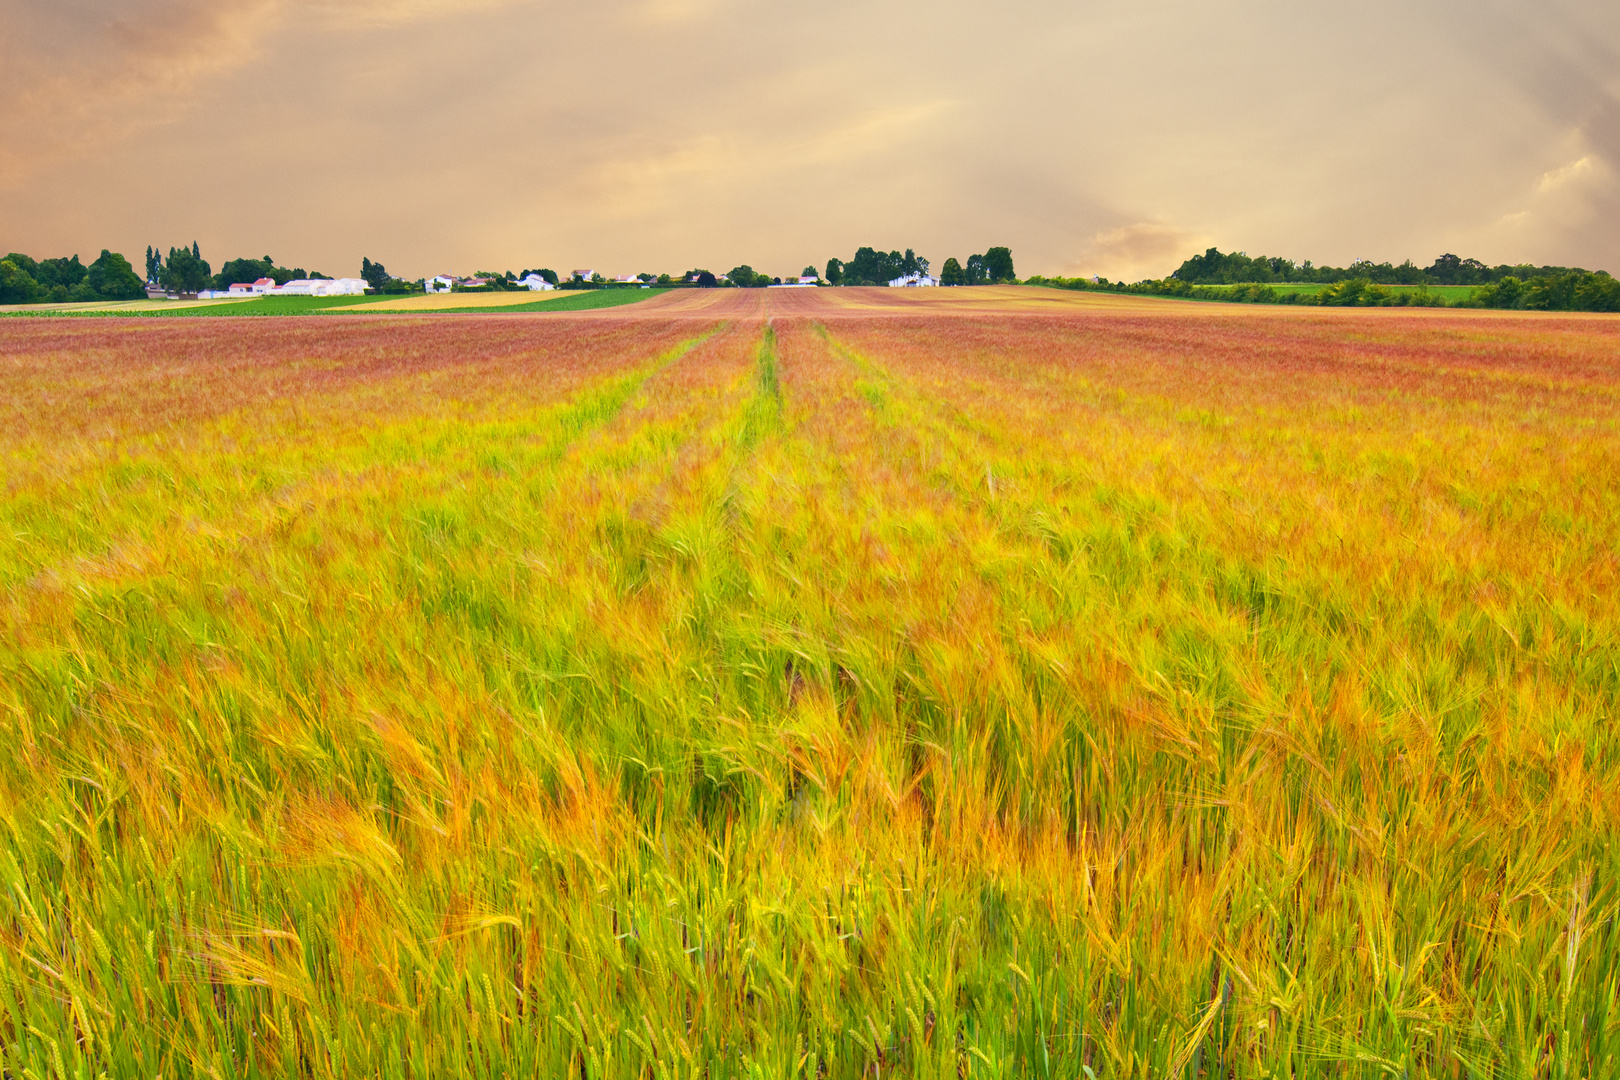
(184, 271)
(975, 271)
(951, 273)
(112, 278)
(810, 272)
(1506, 293)
(501, 281)
(998, 265)
(62, 273)
(744, 277)
(835, 271)
(154, 261)
(374, 274)
(17, 285)
(1598, 292)
(243, 272)
(872, 267)
(1448, 269)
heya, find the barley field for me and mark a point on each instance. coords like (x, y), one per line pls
(811, 684)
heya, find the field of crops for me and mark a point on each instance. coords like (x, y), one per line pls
(818, 683)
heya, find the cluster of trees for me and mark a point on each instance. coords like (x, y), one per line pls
(1574, 290)
(746, 277)
(873, 267)
(24, 280)
(868, 267)
(378, 279)
(738, 277)
(1215, 268)
(184, 270)
(994, 267)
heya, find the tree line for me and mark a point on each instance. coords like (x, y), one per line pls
(24, 280)
(1561, 290)
(183, 270)
(873, 267)
(869, 266)
(1235, 268)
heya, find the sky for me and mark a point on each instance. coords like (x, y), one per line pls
(665, 135)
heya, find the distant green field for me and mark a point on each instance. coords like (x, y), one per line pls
(270, 305)
(590, 298)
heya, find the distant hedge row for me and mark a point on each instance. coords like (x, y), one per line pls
(1575, 290)
(1235, 268)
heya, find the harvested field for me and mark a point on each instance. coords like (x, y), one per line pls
(812, 683)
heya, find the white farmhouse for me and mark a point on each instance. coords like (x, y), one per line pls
(261, 287)
(535, 283)
(913, 281)
(442, 283)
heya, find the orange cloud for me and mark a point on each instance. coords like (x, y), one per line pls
(1145, 249)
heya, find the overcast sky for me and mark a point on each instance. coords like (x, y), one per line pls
(661, 135)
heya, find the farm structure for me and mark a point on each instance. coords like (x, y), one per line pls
(296, 287)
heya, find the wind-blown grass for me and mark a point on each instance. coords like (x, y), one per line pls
(1107, 694)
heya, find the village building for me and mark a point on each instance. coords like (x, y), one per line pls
(913, 281)
(535, 283)
(268, 287)
(254, 288)
(321, 287)
(441, 283)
